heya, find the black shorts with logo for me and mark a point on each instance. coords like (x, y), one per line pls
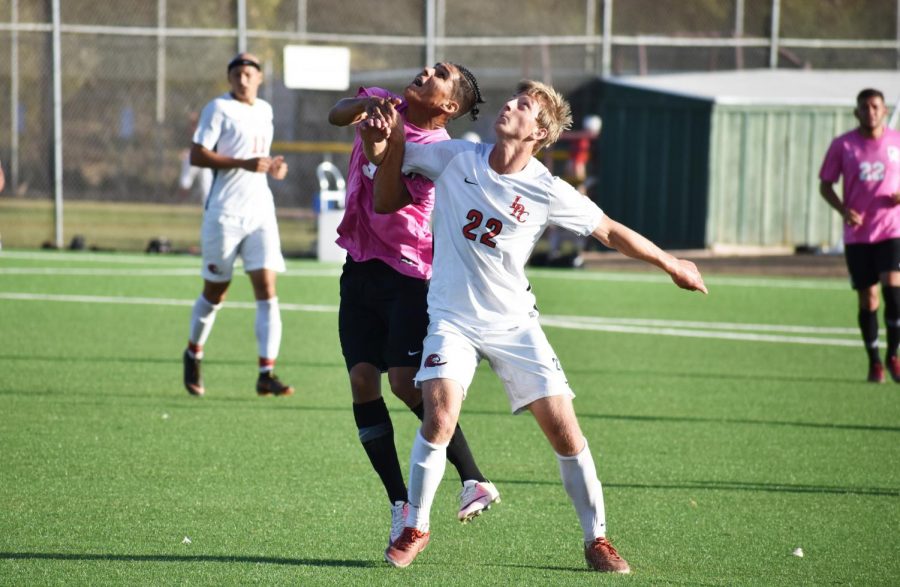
(383, 315)
(866, 261)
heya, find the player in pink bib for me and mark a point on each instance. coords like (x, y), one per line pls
(383, 314)
(868, 160)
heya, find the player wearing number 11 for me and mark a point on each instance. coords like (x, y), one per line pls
(492, 202)
(232, 138)
(868, 159)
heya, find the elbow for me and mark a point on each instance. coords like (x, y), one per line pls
(381, 208)
(196, 158)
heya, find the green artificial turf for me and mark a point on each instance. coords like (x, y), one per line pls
(718, 457)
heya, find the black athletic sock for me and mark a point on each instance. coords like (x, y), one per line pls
(868, 326)
(458, 452)
(891, 315)
(376, 432)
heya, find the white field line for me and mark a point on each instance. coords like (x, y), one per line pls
(601, 320)
(161, 272)
(689, 329)
(79, 257)
(724, 335)
(334, 270)
(151, 301)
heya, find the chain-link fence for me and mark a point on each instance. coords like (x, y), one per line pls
(99, 95)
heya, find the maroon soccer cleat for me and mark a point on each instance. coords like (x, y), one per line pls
(602, 557)
(193, 380)
(876, 373)
(893, 366)
(269, 384)
(404, 549)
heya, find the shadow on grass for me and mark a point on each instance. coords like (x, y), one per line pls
(168, 558)
(737, 486)
(698, 420)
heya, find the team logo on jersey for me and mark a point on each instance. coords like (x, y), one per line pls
(894, 154)
(434, 360)
(518, 209)
(214, 269)
(369, 170)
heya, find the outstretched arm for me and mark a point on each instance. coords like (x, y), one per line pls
(632, 244)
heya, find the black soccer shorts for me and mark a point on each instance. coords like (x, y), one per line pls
(866, 261)
(383, 315)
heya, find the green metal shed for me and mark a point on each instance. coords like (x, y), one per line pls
(728, 160)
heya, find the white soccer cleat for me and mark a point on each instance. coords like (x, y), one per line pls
(476, 497)
(398, 520)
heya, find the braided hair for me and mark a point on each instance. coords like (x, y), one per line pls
(468, 93)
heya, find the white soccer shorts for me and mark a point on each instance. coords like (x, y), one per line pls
(522, 358)
(224, 237)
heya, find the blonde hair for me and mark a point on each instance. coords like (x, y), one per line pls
(555, 114)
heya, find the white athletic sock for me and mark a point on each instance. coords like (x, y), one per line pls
(426, 469)
(579, 477)
(203, 317)
(268, 328)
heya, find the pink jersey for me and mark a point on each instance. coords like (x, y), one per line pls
(402, 239)
(871, 172)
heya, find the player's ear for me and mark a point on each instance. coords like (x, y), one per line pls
(539, 133)
(451, 108)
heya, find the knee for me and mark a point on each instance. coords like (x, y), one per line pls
(868, 300)
(403, 386)
(364, 387)
(438, 427)
(567, 444)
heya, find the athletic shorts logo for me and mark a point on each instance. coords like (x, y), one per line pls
(214, 269)
(413, 353)
(470, 181)
(434, 360)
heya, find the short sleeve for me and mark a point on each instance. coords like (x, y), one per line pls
(572, 210)
(831, 166)
(428, 160)
(209, 127)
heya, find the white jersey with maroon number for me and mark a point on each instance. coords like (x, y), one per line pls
(243, 131)
(485, 227)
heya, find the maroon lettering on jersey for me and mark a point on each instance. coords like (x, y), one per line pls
(518, 210)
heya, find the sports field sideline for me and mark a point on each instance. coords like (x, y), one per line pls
(729, 430)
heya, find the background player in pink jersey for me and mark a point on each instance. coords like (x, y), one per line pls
(492, 202)
(868, 160)
(383, 314)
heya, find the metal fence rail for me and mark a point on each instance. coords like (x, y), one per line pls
(101, 94)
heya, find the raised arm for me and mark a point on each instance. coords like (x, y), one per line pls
(632, 244)
(385, 139)
(353, 110)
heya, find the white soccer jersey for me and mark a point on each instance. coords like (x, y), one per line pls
(485, 227)
(243, 131)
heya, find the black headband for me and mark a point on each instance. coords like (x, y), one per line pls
(239, 61)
